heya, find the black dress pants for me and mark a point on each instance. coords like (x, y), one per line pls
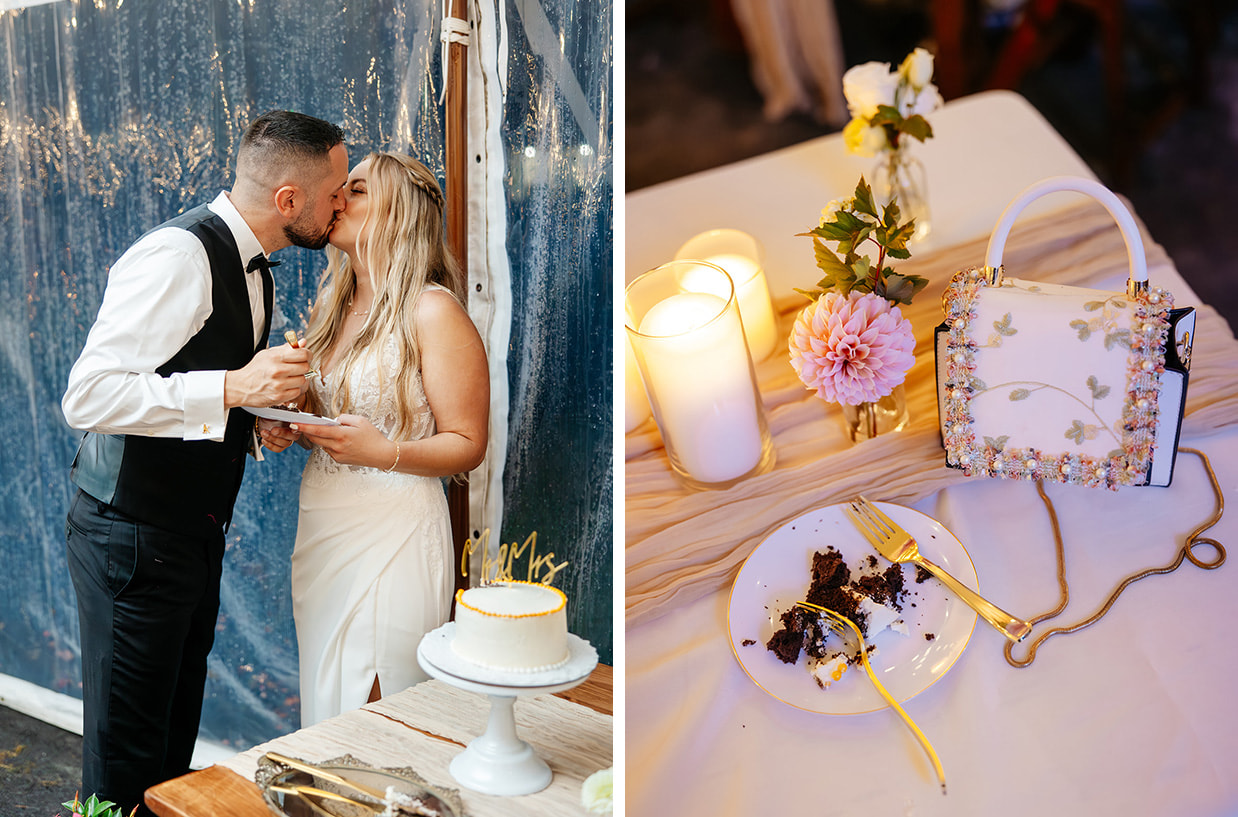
(147, 600)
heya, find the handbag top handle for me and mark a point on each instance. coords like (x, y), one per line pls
(1138, 280)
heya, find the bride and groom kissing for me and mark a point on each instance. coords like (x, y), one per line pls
(179, 350)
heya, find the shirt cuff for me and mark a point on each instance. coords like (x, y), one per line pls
(205, 415)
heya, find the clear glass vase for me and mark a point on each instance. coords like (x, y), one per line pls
(899, 175)
(866, 420)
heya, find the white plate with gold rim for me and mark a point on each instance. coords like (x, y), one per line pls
(287, 416)
(778, 573)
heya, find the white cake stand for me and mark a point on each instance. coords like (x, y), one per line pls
(498, 762)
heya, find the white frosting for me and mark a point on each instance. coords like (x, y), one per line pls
(880, 617)
(514, 626)
(829, 670)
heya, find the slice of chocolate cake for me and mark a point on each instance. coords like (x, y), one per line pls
(873, 601)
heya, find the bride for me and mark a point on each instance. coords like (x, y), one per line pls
(404, 370)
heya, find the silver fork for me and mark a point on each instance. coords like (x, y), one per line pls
(897, 545)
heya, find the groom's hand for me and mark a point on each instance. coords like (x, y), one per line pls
(274, 376)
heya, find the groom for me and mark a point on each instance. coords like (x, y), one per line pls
(179, 345)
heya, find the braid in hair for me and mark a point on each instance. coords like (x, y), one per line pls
(430, 188)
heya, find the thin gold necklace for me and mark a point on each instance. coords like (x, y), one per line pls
(358, 314)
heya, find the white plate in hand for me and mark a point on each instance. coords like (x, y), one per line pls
(779, 572)
(284, 415)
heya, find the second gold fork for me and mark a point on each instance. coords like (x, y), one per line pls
(897, 545)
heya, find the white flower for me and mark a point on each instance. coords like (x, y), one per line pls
(863, 139)
(868, 85)
(829, 211)
(917, 68)
(924, 103)
(597, 794)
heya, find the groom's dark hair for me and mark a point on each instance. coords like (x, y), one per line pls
(282, 138)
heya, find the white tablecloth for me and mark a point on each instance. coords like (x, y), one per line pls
(1133, 716)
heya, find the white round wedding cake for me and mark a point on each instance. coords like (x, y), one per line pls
(512, 625)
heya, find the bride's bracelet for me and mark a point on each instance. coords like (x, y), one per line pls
(397, 460)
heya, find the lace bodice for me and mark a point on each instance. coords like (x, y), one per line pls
(372, 394)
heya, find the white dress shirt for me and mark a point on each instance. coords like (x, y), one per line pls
(158, 296)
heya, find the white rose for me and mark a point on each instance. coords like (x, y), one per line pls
(829, 211)
(868, 85)
(597, 792)
(924, 103)
(863, 139)
(917, 68)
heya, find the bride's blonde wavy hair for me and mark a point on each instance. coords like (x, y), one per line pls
(401, 243)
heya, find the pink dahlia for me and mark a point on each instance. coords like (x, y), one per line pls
(852, 348)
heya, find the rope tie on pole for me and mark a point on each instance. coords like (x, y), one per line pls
(455, 30)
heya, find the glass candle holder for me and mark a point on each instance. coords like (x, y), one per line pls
(693, 359)
(635, 403)
(743, 258)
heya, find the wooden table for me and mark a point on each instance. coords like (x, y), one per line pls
(218, 790)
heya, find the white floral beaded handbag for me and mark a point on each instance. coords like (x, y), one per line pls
(1061, 383)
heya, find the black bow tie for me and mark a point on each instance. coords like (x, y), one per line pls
(260, 262)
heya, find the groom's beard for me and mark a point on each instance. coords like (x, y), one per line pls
(302, 234)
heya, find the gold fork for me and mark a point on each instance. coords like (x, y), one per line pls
(305, 792)
(897, 545)
(291, 337)
(838, 623)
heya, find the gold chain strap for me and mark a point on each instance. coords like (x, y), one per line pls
(1185, 553)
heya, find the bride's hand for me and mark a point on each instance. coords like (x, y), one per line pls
(276, 435)
(355, 441)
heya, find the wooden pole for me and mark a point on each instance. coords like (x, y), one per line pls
(456, 161)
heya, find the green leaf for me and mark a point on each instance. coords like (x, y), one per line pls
(887, 115)
(900, 253)
(850, 221)
(861, 268)
(977, 384)
(1019, 394)
(890, 215)
(827, 261)
(1092, 306)
(895, 240)
(830, 231)
(1080, 431)
(1002, 327)
(1099, 392)
(1122, 337)
(1082, 328)
(837, 274)
(997, 443)
(902, 288)
(917, 127)
(864, 199)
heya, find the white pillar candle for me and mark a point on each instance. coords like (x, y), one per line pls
(742, 257)
(699, 378)
(635, 404)
(755, 307)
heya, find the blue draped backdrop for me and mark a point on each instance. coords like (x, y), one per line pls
(116, 115)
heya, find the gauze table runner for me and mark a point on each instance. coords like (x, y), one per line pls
(682, 544)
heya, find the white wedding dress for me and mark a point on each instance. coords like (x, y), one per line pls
(371, 568)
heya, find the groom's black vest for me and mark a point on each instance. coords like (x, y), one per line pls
(186, 486)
